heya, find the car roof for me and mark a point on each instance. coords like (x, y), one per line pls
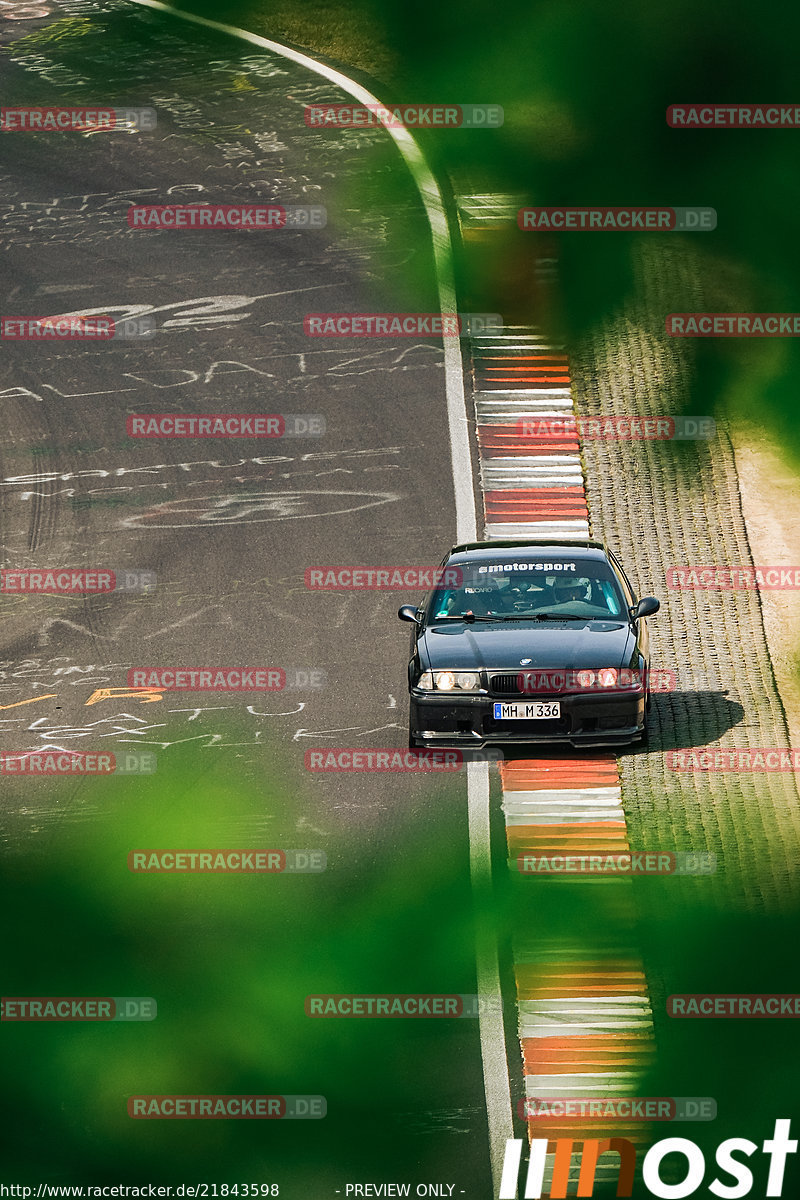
(481, 551)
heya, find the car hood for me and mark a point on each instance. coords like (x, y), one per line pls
(554, 645)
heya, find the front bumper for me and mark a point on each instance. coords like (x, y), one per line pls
(599, 719)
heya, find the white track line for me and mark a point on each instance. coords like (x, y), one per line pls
(496, 1082)
(493, 1046)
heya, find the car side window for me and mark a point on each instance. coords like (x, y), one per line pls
(610, 597)
(445, 604)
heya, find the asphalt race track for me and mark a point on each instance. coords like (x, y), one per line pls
(395, 881)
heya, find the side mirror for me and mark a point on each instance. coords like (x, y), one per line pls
(407, 612)
(647, 606)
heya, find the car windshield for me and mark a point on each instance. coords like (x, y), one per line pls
(541, 589)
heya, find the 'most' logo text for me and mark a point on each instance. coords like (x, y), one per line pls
(777, 1149)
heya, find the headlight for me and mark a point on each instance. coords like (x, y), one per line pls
(468, 681)
(603, 677)
(449, 681)
(457, 681)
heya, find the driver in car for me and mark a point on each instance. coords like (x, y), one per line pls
(522, 594)
(512, 595)
(496, 597)
(569, 590)
(573, 595)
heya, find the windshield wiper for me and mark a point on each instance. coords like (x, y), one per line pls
(468, 617)
(557, 617)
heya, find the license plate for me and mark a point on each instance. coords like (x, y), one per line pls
(540, 710)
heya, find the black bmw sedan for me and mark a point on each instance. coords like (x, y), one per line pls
(529, 642)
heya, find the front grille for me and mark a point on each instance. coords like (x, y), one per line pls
(507, 685)
(528, 683)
